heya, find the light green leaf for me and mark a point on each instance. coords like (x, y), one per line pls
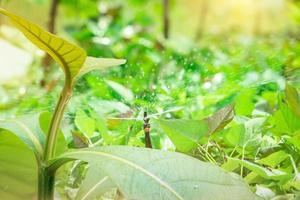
(18, 177)
(184, 133)
(244, 104)
(274, 159)
(95, 184)
(235, 135)
(284, 121)
(166, 175)
(69, 56)
(84, 123)
(92, 63)
(295, 140)
(121, 90)
(28, 130)
(267, 173)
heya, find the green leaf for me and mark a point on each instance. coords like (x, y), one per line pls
(28, 130)
(92, 63)
(184, 133)
(244, 102)
(235, 135)
(295, 140)
(69, 56)
(220, 119)
(267, 173)
(84, 123)
(121, 90)
(285, 121)
(292, 99)
(18, 177)
(274, 159)
(166, 175)
(95, 184)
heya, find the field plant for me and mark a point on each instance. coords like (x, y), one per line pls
(136, 172)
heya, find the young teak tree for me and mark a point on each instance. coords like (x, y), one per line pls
(139, 173)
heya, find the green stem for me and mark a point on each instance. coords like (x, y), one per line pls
(46, 182)
(55, 123)
(46, 175)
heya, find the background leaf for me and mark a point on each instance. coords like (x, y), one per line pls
(220, 119)
(184, 133)
(84, 123)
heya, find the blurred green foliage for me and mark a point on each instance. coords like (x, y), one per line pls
(179, 78)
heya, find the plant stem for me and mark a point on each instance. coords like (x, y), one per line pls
(46, 176)
(46, 182)
(55, 123)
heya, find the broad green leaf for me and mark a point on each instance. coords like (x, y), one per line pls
(95, 184)
(292, 99)
(84, 123)
(18, 177)
(69, 56)
(274, 159)
(92, 63)
(28, 130)
(121, 90)
(220, 119)
(267, 173)
(184, 133)
(166, 175)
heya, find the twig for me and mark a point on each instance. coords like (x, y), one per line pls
(148, 143)
(166, 19)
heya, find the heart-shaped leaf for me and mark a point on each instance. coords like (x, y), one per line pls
(166, 175)
(184, 133)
